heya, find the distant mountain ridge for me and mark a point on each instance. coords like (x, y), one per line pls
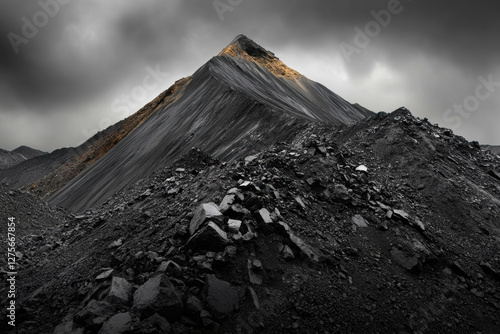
(22, 153)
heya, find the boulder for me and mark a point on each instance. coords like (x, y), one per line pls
(209, 238)
(119, 293)
(359, 221)
(93, 310)
(203, 213)
(158, 295)
(222, 298)
(226, 203)
(118, 324)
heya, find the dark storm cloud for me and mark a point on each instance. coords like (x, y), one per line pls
(91, 51)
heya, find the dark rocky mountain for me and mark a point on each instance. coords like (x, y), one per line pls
(319, 224)
(22, 153)
(241, 101)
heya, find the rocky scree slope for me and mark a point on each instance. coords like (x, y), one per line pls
(389, 226)
(244, 99)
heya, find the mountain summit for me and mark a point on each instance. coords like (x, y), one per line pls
(247, 49)
(240, 101)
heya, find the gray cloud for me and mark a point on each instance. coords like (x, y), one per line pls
(66, 78)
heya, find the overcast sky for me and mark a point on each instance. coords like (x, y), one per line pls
(72, 67)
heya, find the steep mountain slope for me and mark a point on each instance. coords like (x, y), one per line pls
(305, 241)
(46, 174)
(241, 101)
(22, 153)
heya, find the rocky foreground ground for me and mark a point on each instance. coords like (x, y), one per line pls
(390, 226)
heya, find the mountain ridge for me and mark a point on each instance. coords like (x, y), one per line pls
(241, 99)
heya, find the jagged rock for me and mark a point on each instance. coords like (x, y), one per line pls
(170, 267)
(105, 275)
(362, 168)
(254, 273)
(203, 213)
(263, 216)
(66, 327)
(210, 237)
(234, 225)
(249, 186)
(119, 293)
(287, 253)
(359, 221)
(238, 194)
(94, 309)
(153, 325)
(236, 211)
(402, 215)
(116, 243)
(118, 324)
(255, 298)
(222, 297)
(300, 202)
(194, 306)
(309, 251)
(226, 203)
(341, 193)
(158, 295)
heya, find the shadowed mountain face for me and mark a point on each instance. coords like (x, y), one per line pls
(243, 100)
(22, 153)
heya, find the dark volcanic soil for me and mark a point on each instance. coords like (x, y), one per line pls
(390, 226)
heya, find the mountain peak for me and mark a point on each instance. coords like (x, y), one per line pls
(244, 47)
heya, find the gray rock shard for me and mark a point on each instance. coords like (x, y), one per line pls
(118, 324)
(223, 298)
(119, 293)
(203, 213)
(158, 295)
(209, 238)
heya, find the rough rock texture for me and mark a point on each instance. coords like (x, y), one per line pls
(430, 266)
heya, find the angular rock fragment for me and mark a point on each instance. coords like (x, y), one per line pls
(309, 251)
(263, 216)
(94, 309)
(226, 203)
(237, 193)
(222, 298)
(158, 295)
(402, 215)
(359, 221)
(287, 253)
(119, 293)
(254, 273)
(118, 324)
(209, 238)
(234, 225)
(153, 324)
(204, 212)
